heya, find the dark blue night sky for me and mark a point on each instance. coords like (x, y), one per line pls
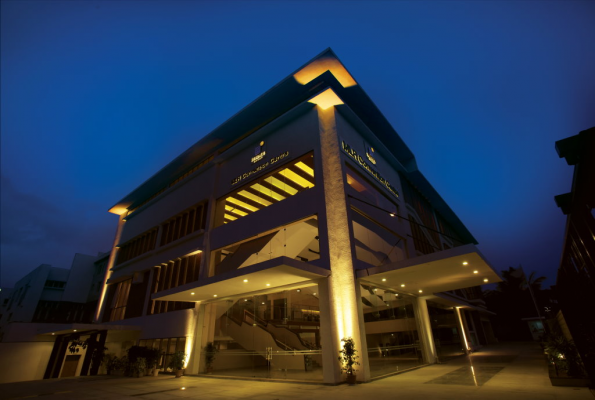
(98, 96)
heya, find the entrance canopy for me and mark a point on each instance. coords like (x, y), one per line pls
(256, 278)
(451, 269)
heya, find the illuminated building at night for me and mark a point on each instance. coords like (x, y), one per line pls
(300, 221)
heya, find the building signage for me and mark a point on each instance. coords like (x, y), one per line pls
(370, 154)
(259, 153)
(364, 164)
(261, 167)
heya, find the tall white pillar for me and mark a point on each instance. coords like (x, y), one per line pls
(424, 328)
(462, 331)
(195, 360)
(343, 302)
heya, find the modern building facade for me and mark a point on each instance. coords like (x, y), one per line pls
(300, 221)
(576, 276)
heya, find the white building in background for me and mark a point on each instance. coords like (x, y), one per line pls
(300, 221)
(45, 297)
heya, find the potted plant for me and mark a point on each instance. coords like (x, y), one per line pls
(177, 362)
(152, 356)
(348, 359)
(139, 367)
(210, 351)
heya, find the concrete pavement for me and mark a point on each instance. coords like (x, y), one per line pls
(506, 371)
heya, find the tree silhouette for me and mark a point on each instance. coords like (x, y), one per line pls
(511, 301)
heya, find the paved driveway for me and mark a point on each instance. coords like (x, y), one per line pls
(502, 372)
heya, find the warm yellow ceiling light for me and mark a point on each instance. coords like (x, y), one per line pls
(230, 217)
(326, 99)
(305, 168)
(277, 183)
(241, 204)
(289, 174)
(255, 198)
(320, 66)
(235, 211)
(271, 193)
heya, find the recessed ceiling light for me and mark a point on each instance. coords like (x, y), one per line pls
(214, 295)
(396, 294)
(314, 293)
(485, 280)
(402, 285)
(383, 279)
(263, 302)
(192, 294)
(299, 290)
(74, 330)
(245, 280)
(476, 272)
(421, 291)
(465, 263)
(268, 284)
(53, 333)
(245, 299)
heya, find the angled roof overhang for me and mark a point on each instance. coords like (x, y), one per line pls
(268, 276)
(318, 75)
(433, 273)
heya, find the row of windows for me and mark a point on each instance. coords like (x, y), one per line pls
(174, 274)
(137, 246)
(184, 224)
(55, 284)
(181, 178)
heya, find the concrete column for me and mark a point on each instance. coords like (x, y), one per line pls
(364, 368)
(424, 328)
(195, 360)
(328, 340)
(343, 303)
(108, 269)
(461, 329)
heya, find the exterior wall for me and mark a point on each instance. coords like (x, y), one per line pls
(79, 279)
(24, 361)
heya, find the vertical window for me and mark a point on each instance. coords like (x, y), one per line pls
(119, 300)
